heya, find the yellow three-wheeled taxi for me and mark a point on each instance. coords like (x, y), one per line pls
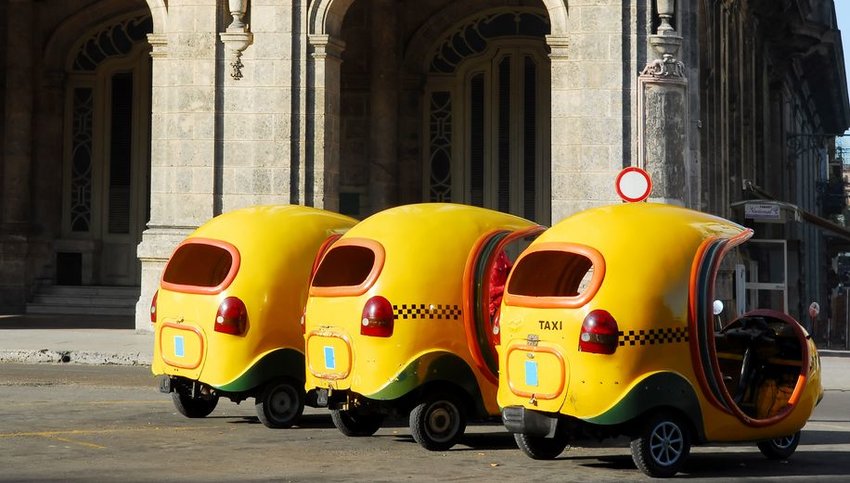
(226, 315)
(400, 319)
(608, 328)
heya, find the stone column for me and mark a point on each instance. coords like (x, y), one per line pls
(322, 174)
(562, 148)
(183, 139)
(17, 155)
(384, 88)
(663, 116)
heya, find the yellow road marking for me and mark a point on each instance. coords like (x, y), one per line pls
(30, 403)
(81, 443)
(56, 434)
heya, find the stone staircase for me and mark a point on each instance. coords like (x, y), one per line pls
(84, 300)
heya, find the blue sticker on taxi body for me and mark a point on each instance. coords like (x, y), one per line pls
(179, 346)
(531, 376)
(330, 358)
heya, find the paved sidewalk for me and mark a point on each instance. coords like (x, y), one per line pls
(73, 339)
(113, 340)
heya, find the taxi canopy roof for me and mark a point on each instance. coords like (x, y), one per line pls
(257, 224)
(428, 243)
(645, 250)
(649, 226)
(425, 230)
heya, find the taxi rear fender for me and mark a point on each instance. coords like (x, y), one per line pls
(279, 363)
(434, 371)
(659, 391)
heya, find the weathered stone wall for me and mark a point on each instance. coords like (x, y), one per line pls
(594, 69)
(185, 191)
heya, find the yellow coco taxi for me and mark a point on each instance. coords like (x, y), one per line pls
(608, 329)
(400, 319)
(226, 315)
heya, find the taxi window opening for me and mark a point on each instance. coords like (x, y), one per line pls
(551, 274)
(198, 265)
(345, 266)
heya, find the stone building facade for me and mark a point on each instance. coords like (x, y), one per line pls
(128, 123)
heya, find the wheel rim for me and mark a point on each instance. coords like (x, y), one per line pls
(784, 442)
(442, 421)
(283, 402)
(666, 443)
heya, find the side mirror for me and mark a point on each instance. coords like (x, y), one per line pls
(814, 310)
(717, 307)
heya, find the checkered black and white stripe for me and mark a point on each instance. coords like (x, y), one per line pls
(664, 335)
(426, 311)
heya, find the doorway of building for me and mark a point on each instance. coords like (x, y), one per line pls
(487, 109)
(106, 166)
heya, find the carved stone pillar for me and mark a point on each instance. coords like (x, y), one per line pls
(663, 148)
(321, 186)
(563, 68)
(159, 239)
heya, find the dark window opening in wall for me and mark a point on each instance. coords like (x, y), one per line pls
(440, 141)
(81, 160)
(349, 204)
(504, 137)
(69, 268)
(500, 80)
(120, 153)
(530, 139)
(476, 140)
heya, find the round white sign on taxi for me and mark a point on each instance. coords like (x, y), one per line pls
(633, 184)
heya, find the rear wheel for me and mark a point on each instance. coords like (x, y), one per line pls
(662, 446)
(780, 448)
(194, 407)
(280, 404)
(540, 448)
(356, 422)
(438, 422)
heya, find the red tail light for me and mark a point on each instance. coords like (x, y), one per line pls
(153, 307)
(599, 333)
(378, 318)
(303, 323)
(232, 317)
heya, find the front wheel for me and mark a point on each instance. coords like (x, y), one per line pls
(540, 448)
(661, 447)
(780, 448)
(438, 422)
(194, 407)
(280, 404)
(354, 422)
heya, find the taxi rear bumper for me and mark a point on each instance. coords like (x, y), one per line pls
(518, 419)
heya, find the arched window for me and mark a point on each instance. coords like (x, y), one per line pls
(487, 108)
(107, 148)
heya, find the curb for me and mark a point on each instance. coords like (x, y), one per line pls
(50, 356)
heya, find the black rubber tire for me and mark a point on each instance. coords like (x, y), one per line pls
(280, 404)
(438, 422)
(356, 423)
(662, 446)
(780, 448)
(540, 448)
(194, 407)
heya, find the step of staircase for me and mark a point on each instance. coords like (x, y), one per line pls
(84, 300)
